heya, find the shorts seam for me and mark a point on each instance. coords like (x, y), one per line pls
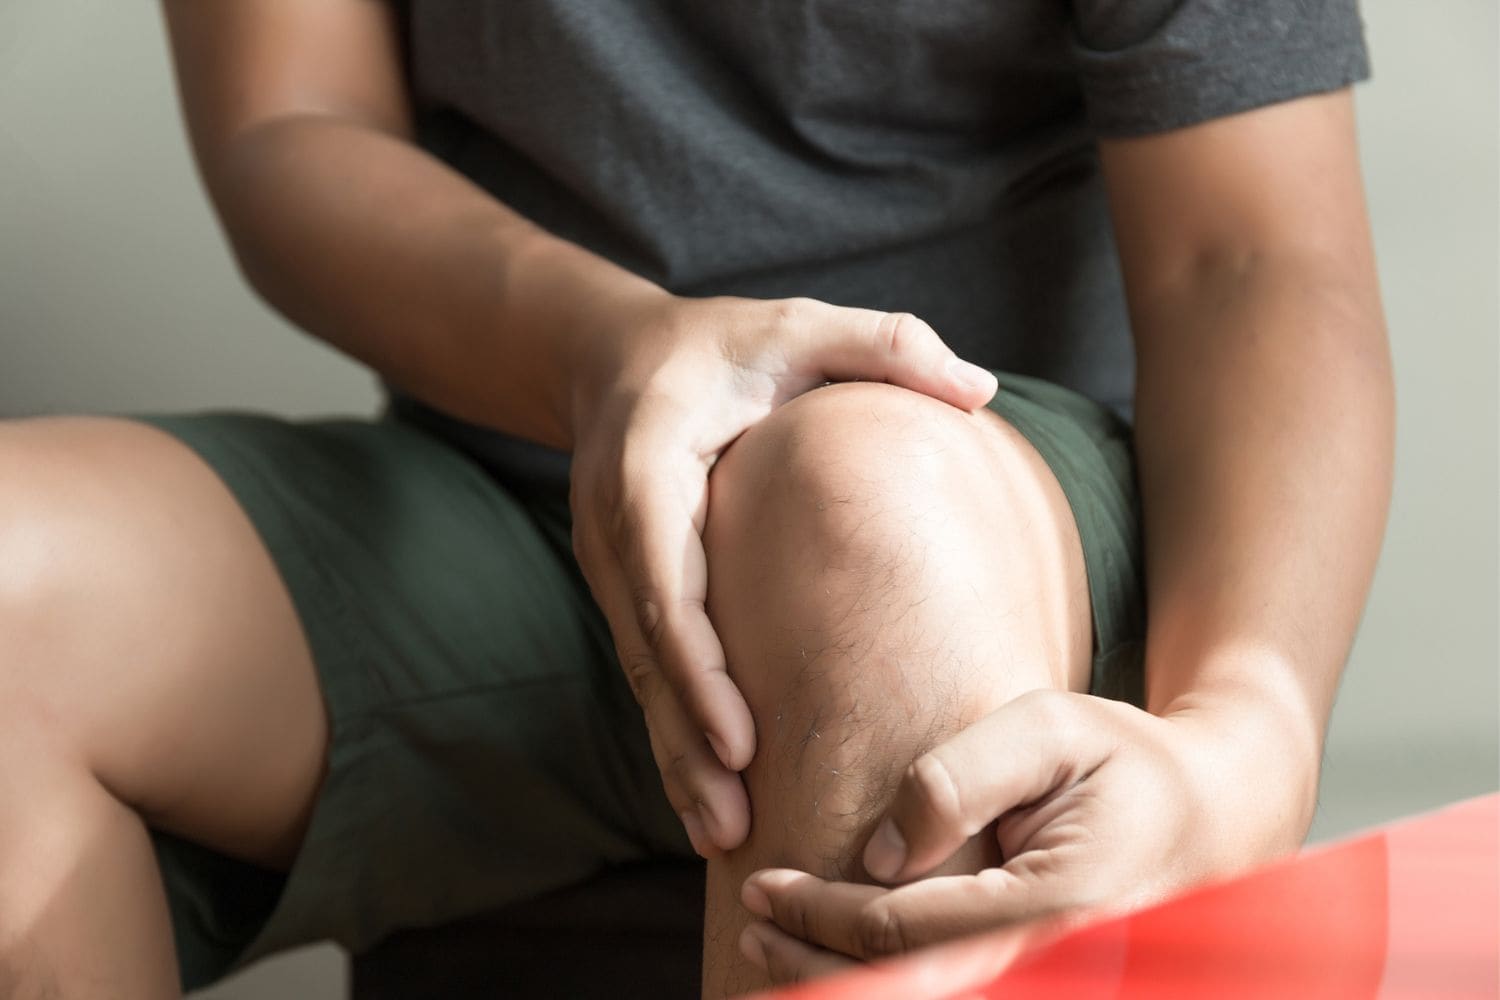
(473, 690)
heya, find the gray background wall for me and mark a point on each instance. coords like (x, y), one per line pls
(117, 294)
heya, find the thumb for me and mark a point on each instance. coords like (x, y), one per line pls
(900, 349)
(1016, 755)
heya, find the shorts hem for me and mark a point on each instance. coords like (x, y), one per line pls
(1087, 447)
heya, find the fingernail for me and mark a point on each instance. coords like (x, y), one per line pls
(971, 376)
(720, 750)
(885, 852)
(755, 900)
(696, 833)
(752, 947)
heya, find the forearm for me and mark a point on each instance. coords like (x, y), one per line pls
(1264, 434)
(370, 244)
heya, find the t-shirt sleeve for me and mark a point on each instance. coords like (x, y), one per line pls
(1153, 65)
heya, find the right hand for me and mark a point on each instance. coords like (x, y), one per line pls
(662, 387)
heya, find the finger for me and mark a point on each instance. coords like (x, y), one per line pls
(1015, 755)
(709, 798)
(661, 555)
(869, 922)
(784, 958)
(900, 349)
(814, 910)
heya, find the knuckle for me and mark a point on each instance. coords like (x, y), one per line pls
(679, 765)
(1052, 710)
(792, 311)
(995, 883)
(783, 969)
(894, 332)
(794, 917)
(1002, 890)
(640, 672)
(648, 614)
(879, 930)
(667, 765)
(931, 784)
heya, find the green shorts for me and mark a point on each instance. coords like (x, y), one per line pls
(485, 747)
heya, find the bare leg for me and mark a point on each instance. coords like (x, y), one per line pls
(152, 668)
(884, 569)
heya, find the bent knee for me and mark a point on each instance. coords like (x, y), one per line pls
(65, 496)
(116, 543)
(853, 439)
(859, 465)
(884, 570)
(885, 498)
(61, 546)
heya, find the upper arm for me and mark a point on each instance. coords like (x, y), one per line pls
(241, 63)
(1278, 184)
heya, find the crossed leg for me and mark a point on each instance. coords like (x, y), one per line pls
(884, 569)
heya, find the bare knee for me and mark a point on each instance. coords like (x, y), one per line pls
(67, 543)
(884, 569)
(873, 600)
(142, 619)
(884, 497)
(846, 456)
(42, 571)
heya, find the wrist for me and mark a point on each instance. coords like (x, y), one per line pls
(1242, 696)
(574, 302)
(1254, 771)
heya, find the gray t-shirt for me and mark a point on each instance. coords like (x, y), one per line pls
(928, 156)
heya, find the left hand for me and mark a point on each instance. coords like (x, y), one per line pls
(1097, 807)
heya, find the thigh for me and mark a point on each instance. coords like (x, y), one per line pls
(150, 636)
(484, 747)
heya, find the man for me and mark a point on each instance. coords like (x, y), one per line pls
(331, 679)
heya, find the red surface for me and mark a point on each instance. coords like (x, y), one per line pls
(1409, 910)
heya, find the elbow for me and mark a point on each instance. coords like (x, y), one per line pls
(256, 269)
(252, 179)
